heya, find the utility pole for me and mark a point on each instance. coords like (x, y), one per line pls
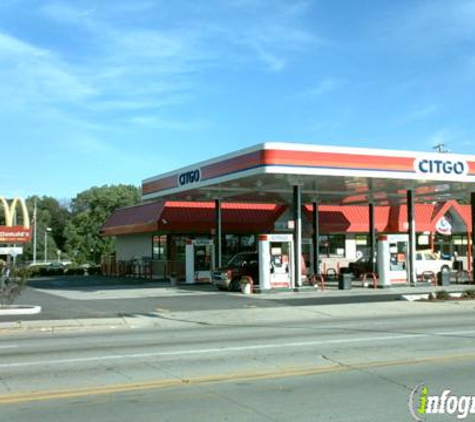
(440, 148)
(34, 232)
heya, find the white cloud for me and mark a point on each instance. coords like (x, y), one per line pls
(29, 73)
(125, 65)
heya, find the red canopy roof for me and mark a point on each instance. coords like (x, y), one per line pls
(198, 217)
(350, 219)
(135, 219)
(191, 217)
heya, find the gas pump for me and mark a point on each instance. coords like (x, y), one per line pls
(276, 261)
(393, 250)
(199, 259)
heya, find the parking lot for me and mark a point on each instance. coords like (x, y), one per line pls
(98, 297)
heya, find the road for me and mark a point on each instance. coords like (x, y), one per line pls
(357, 368)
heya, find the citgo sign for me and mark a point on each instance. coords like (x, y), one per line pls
(10, 233)
(189, 177)
(441, 167)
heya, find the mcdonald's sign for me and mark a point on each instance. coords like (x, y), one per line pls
(12, 232)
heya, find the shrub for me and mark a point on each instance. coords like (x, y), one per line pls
(11, 286)
(443, 295)
(73, 270)
(94, 269)
(469, 294)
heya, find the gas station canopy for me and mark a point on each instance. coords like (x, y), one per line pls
(329, 175)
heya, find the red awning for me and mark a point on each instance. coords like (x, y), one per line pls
(199, 217)
(136, 219)
(348, 219)
(192, 217)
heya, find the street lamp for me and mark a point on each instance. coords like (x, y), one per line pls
(47, 230)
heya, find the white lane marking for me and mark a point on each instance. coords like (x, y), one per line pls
(8, 347)
(206, 351)
(454, 333)
(228, 349)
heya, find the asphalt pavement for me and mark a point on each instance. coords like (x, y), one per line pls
(66, 298)
(345, 362)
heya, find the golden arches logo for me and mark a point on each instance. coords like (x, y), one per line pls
(10, 211)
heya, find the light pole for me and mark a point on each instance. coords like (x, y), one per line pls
(47, 230)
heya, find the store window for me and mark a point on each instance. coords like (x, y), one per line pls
(460, 244)
(449, 246)
(442, 245)
(159, 247)
(332, 245)
(234, 243)
(423, 241)
(248, 243)
(362, 246)
(179, 246)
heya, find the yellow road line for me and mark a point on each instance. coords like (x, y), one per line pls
(46, 395)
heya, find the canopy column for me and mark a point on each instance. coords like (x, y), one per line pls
(412, 278)
(217, 232)
(316, 238)
(297, 235)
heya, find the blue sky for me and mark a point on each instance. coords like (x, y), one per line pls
(105, 92)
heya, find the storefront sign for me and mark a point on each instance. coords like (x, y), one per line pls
(15, 234)
(441, 167)
(12, 232)
(444, 227)
(189, 177)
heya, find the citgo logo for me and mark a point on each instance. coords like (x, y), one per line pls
(189, 177)
(441, 167)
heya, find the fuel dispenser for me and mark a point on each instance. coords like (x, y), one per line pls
(199, 260)
(276, 261)
(393, 251)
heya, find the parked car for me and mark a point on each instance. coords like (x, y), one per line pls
(240, 265)
(425, 261)
(429, 261)
(243, 264)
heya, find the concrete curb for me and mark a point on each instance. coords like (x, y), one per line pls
(242, 317)
(62, 325)
(20, 310)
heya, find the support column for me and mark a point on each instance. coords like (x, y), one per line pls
(297, 235)
(412, 237)
(316, 239)
(218, 232)
(472, 200)
(372, 238)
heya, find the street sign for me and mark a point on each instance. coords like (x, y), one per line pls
(11, 250)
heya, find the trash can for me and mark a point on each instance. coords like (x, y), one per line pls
(344, 281)
(443, 277)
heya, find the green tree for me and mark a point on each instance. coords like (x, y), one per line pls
(50, 214)
(90, 210)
